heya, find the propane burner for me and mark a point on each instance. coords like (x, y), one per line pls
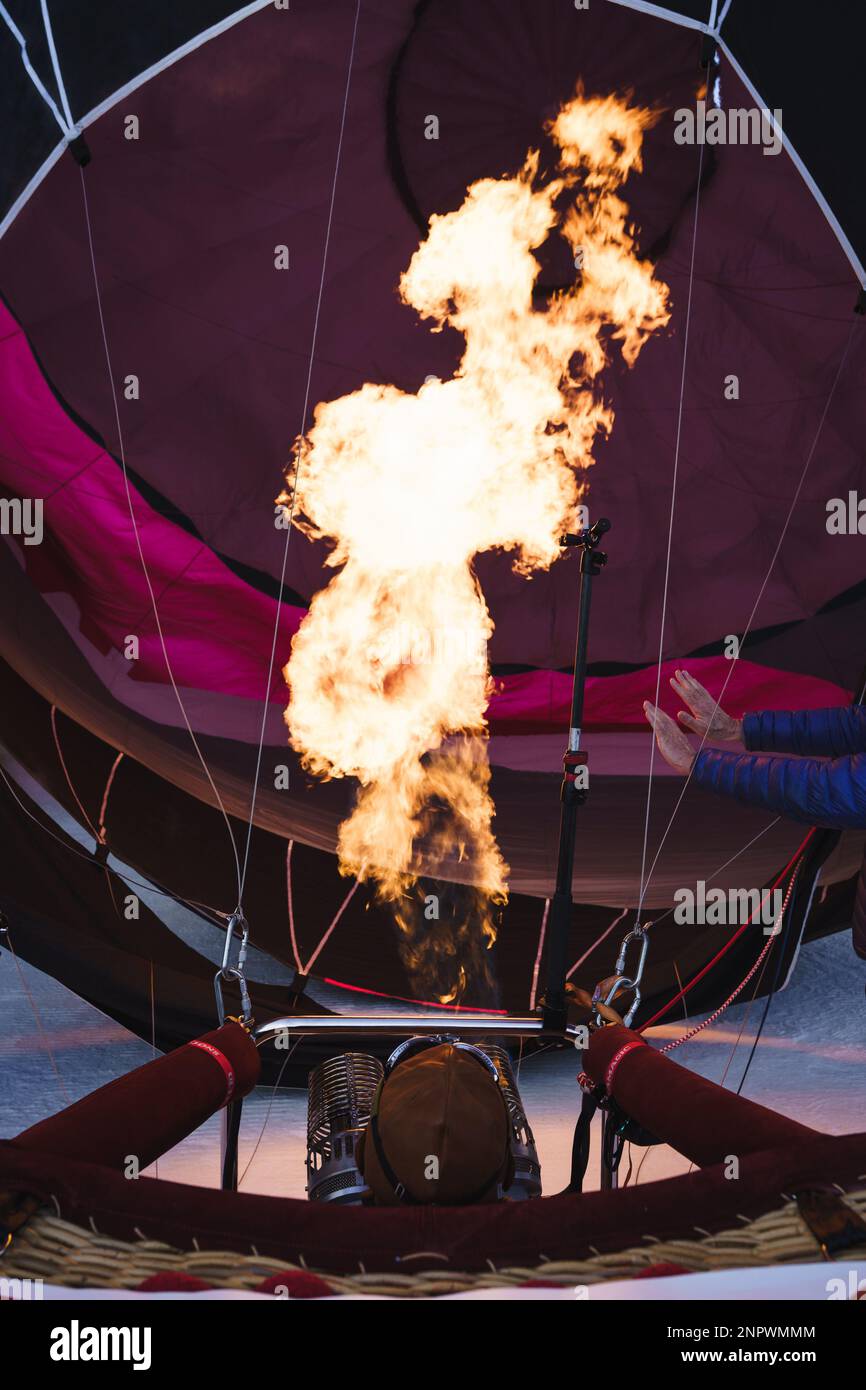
(339, 1104)
(341, 1097)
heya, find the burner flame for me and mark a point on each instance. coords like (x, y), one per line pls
(388, 675)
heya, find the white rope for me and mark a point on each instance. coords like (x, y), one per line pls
(200, 908)
(766, 580)
(55, 63)
(69, 782)
(720, 870)
(301, 432)
(67, 127)
(643, 881)
(249, 1163)
(306, 969)
(145, 571)
(716, 29)
(598, 940)
(330, 930)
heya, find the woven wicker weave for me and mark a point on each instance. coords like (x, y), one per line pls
(58, 1252)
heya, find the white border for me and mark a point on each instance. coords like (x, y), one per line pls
(800, 166)
(93, 115)
(65, 126)
(27, 193)
(657, 11)
(55, 63)
(228, 23)
(712, 28)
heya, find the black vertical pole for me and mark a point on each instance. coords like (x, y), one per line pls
(229, 1135)
(574, 792)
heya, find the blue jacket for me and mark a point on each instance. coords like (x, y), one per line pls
(827, 790)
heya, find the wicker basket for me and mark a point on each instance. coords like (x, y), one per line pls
(59, 1252)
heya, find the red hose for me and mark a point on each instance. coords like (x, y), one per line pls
(696, 1117)
(141, 1115)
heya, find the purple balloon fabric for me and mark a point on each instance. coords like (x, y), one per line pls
(237, 154)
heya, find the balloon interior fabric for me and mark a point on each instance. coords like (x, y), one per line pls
(207, 211)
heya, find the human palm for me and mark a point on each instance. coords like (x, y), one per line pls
(672, 742)
(704, 715)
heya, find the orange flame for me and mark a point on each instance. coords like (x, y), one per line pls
(388, 672)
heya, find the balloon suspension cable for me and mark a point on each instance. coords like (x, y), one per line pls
(731, 941)
(70, 131)
(237, 927)
(621, 982)
(289, 516)
(647, 874)
(575, 781)
(644, 877)
(136, 532)
(757, 965)
(210, 914)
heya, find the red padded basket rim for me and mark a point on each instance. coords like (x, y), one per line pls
(336, 1239)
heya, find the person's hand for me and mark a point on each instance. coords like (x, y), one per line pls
(672, 742)
(705, 718)
(583, 999)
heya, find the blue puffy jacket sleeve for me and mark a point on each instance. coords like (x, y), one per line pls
(829, 733)
(815, 791)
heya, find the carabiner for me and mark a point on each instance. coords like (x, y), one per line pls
(637, 933)
(622, 982)
(237, 923)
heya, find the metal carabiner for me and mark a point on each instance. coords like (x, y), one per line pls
(606, 990)
(621, 982)
(635, 1003)
(618, 984)
(237, 923)
(637, 933)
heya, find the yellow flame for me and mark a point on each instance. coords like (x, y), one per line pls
(388, 672)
